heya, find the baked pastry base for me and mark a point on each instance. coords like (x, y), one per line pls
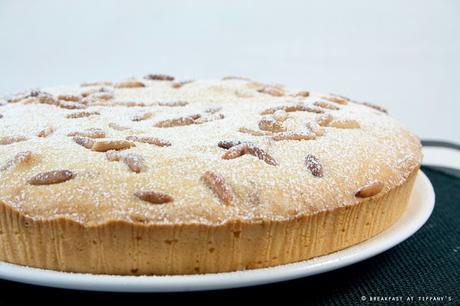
(125, 248)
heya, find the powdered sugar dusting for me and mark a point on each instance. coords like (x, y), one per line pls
(101, 190)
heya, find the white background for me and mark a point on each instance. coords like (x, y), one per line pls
(401, 54)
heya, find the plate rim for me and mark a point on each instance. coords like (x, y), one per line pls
(225, 280)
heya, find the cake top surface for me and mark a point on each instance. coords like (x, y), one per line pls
(154, 150)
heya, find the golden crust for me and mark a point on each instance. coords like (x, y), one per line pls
(126, 248)
(284, 175)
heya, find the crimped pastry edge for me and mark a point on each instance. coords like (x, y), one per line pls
(122, 248)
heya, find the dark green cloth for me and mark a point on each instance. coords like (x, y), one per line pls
(426, 265)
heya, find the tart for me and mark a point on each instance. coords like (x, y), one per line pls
(158, 176)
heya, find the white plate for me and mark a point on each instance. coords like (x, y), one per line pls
(419, 209)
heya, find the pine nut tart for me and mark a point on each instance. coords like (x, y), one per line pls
(158, 176)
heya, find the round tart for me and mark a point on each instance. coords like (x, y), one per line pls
(159, 176)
